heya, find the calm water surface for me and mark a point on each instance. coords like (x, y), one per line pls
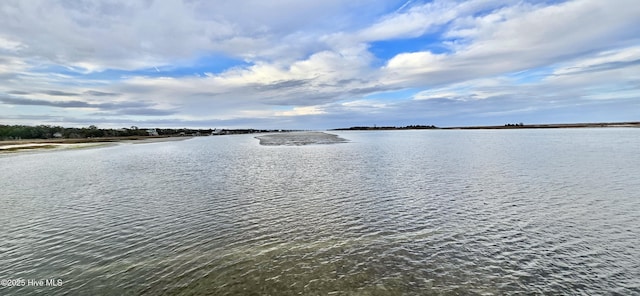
(388, 213)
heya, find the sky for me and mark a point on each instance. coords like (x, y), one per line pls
(292, 64)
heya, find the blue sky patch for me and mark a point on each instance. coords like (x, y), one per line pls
(387, 49)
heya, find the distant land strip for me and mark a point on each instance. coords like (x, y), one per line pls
(19, 134)
(506, 126)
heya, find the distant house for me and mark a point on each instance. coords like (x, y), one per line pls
(153, 132)
(57, 135)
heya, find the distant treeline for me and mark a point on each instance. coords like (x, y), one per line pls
(365, 128)
(23, 132)
(16, 132)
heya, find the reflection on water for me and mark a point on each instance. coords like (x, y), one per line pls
(388, 213)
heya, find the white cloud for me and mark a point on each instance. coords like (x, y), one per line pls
(140, 34)
(425, 18)
(476, 89)
(602, 61)
(423, 61)
(436, 94)
(9, 45)
(11, 66)
(322, 78)
(366, 105)
(519, 37)
(300, 111)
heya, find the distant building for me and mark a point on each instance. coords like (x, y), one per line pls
(57, 135)
(153, 132)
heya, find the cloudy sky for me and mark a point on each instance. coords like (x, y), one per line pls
(317, 64)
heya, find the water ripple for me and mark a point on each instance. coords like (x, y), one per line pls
(385, 214)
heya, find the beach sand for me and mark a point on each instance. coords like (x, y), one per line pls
(58, 144)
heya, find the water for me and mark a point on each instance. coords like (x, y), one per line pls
(389, 213)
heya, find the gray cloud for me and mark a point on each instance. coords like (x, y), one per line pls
(18, 92)
(300, 99)
(96, 93)
(118, 108)
(60, 93)
(32, 102)
(146, 112)
(136, 111)
(601, 67)
(103, 120)
(372, 89)
(282, 85)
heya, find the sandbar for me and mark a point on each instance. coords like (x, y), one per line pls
(299, 139)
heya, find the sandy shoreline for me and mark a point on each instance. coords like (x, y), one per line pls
(47, 144)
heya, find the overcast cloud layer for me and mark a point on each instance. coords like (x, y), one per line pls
(318, 64)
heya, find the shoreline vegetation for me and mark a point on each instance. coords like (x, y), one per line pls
(16, 138)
